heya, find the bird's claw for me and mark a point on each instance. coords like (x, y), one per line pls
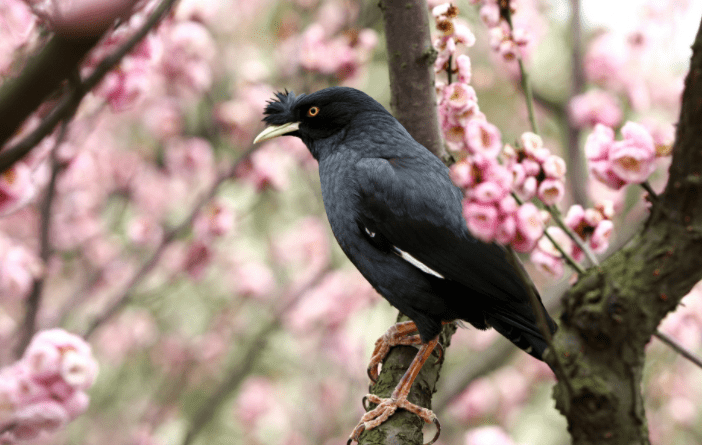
(384, 409)
(398, 334)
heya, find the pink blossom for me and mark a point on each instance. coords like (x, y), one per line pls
(18, 268)
(144, 231)
(479, 399)
(531, 167)
(554, 167)
(255, 399)
(330, 304)
(254, 279)
(17, 25)
(606, 59)
(529, 227)
(43, 360)
(488, 435)
(527, 189)
(197, 259)
(463, 34)
(490, 14)
(603, 172)
(506, 229)
(598, 143)
(464, 69)
(455, 137)
(482, 220)
(551, 191)
(521, 36)
(518, 174)
(594, 107)
(460, 96)
(508, 205)
(574, 217)
(547, 263)
(530, 143)
(215, 220)
(462, 174)
(42, 416)
(600, 237)
(266, 168)
(631, 162)
(488, 192)
(187, 55)
(190, 158)
(508, 49)
(483, 137)
(16, 188)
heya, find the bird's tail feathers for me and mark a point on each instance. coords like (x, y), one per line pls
(522, 332)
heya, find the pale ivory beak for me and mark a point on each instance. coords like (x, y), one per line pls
(275, 131)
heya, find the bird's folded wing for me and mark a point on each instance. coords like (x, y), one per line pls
(413, 204)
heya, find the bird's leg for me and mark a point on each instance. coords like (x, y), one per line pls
(397, 334)
(398, 399)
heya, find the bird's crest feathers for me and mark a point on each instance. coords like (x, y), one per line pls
(279, 110)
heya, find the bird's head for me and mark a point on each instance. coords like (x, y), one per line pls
(316, 116)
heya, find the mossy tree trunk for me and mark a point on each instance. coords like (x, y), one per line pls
(612, 312)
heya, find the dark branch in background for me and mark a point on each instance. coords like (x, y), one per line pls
(243, 367)
(411, 66)
(577, 175)
(411, 59)
(42, 75)
(26, 330)
(70, 100)
(611, 313)
(125, 295)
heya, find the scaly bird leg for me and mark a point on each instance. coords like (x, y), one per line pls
(398, 399)
(397, 334)
(402, 333)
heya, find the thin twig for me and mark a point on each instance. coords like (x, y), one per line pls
(677, 347)
(568, 258)
(243, 367)
(556, 214)
(71, 99)
(26, 329)
(651, 193)
(125, 295)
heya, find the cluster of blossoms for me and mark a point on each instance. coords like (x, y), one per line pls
(535, 171)
(628, 161)
(330, 46)
(594, 226)
(45, 389)
(491, 211)
(505, 41)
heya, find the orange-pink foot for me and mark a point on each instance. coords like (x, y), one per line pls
(385, 409)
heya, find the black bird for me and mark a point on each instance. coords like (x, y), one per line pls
(398, 217)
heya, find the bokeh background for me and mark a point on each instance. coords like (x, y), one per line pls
(237, 319)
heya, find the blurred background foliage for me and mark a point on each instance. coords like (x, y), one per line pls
(252, 327)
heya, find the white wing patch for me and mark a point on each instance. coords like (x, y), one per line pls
(416, 263)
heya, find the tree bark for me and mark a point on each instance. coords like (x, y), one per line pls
(413, 101)
(611, 313)
(411, 65)
(42, 76)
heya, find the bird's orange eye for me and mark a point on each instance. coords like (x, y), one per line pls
(313, 111)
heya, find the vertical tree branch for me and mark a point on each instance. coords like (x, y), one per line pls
(410, 59)
(576, 165)
(612, 312)
(411, 65)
